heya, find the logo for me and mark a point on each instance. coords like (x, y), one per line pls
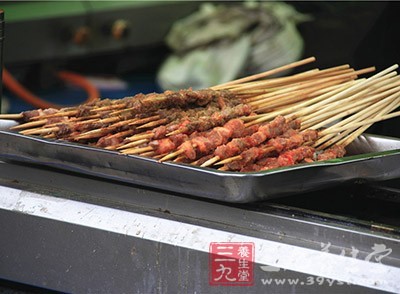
(231, 264)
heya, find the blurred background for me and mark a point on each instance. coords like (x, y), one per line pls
(120, 48)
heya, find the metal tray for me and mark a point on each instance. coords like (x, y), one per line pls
(371, 158)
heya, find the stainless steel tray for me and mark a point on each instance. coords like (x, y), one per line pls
(371, 158)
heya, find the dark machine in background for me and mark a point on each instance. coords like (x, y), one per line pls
(43, 32)
(101, 37)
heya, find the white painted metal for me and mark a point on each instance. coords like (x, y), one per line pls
(313, 262)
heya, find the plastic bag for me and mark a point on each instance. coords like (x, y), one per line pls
(221, 42)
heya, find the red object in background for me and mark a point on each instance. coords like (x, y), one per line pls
(231, 264)
(19, 90)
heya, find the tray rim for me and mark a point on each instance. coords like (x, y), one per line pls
(226, 186)
(336, 161)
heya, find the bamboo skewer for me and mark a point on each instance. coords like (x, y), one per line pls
(144, 120)
(265, 74)
(317, 97)
(290, 86)
(277, 83)
(358, 131)
(296, 109)
(363, 123)
(171, 155)
(349, 129)
(137, 150)
(178, 152)
(132, 144)
(393, 92)
(39, 131)
(16, 116)
(366, 113)
(30, 124)
(329, 139)
(140, 137)
(299, 86)
(335, 111)
(99, 108)
(285, 100)
(153, 123)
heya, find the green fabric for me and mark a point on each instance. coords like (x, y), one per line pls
(221, 42)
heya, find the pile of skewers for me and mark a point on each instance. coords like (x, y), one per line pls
(251, 124)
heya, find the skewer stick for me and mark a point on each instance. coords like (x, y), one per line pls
(333, 71)
(118, 135)
(153, 123)
(363, 84)
(103, 131)
(229, 160)
(30, 124)
(395, 95)
(122, 123)
(148, 154)
(359, 116)
(335, 111)
(140, 137)
(297, 109)
(267, 73)
(275, 97)
(40, 131)
(275, 82)
(111, 107)
(132, 151)
(325, 119)
(133, 144)
(92, 134)
(324, 98)
(211, 161)
(351, 133)
(288, 99)
(384, 106)
(176, 132)
(299, 86)
(11, 116)
(354, 91)
(362, 123)
(49, 136)
(266, 150)
(144, 120)
(172, 155)
(319, 95)
(239, 157)
(158, 156)
(57, 114)
(85, 118)
(312, 77)
(368, 112)
(292, 82)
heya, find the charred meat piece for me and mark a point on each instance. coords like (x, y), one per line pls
(266, 131)
(336, 151)
(287, 158)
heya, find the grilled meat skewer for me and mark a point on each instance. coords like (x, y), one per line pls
(289, 140)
